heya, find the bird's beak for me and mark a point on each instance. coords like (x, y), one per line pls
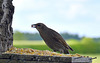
(33, 25)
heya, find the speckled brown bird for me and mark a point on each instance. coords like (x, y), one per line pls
(52, 38)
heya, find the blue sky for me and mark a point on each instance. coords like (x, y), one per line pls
(74, 16)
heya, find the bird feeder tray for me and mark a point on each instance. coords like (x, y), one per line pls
(22, 58)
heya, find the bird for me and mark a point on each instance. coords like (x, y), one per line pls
(52, 38)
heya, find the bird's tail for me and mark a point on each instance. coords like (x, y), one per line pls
(71, 48)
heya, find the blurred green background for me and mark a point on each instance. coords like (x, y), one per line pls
(81, 45)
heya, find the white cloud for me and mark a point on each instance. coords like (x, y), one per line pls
(37, 18)
(30, 4)
(73, 10)
(98, 18)
(75, 0)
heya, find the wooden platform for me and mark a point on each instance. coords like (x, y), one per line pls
(18, 58)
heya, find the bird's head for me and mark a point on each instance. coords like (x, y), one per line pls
(39, 26)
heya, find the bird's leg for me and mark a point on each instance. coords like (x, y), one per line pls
(54, 50)
(66, 51)
(61, 50)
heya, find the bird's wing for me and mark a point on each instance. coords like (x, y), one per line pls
(58, 37)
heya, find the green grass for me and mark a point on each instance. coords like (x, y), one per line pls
(40, 45)
(25, 42)
(38, 42)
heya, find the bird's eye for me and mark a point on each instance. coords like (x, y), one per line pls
(38, 25)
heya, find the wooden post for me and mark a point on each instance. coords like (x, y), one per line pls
(6, 31)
